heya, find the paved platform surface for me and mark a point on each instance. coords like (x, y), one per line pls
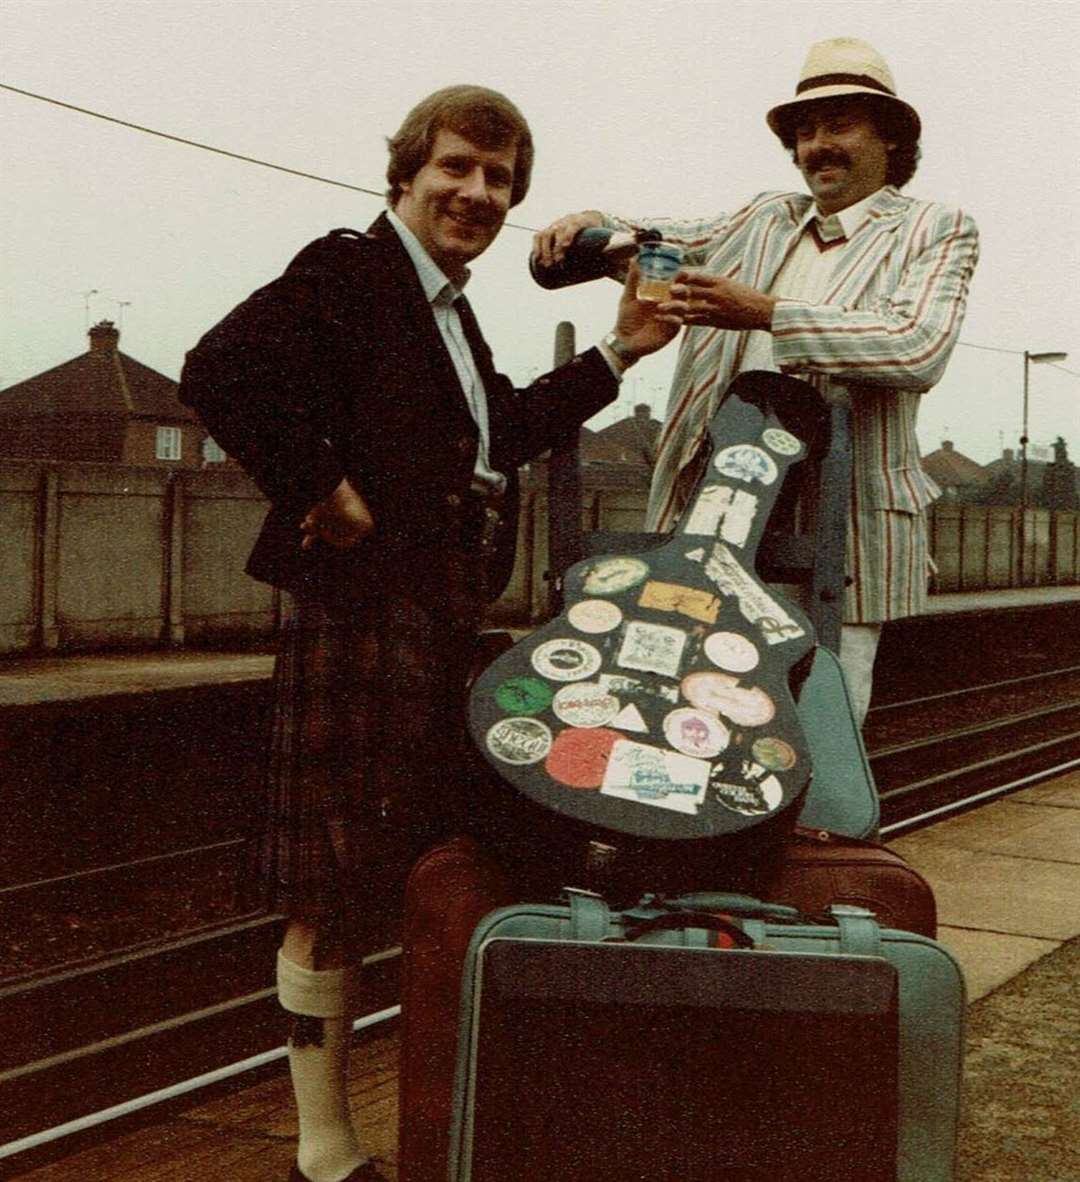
(1007, 881)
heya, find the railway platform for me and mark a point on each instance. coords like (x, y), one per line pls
(1007, 880)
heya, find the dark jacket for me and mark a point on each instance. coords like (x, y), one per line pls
(337, 369)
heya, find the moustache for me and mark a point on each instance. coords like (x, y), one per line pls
(826, 156)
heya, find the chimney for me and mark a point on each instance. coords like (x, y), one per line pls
(1007, 455)
(642, 412)
(104, 337)
(946, 445)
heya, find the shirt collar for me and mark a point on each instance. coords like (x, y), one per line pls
(850, 218)
(438, 289)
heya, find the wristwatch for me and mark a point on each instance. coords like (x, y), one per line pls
(620, 349)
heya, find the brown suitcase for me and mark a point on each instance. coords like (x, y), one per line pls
(821, 868)
(458, 882)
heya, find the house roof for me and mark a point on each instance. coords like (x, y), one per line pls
(949, 468)
(103, 382)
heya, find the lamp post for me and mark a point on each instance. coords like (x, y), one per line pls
(1038, 359)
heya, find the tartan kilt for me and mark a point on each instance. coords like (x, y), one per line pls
(366, 750)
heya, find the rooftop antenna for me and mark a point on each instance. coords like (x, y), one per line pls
(121, 304)
(86, 306)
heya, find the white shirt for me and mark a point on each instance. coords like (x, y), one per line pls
(806, 273)
(441, 294)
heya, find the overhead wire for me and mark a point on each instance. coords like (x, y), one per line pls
(323, 180)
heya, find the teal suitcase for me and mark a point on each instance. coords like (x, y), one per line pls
(709, 1038)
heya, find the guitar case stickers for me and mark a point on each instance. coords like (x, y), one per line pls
(585, 704)
(723, 511)
(609, 576)
(595, 616)
(658, 703)
(566, 659)
(519, 741)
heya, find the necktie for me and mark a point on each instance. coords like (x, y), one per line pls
(827, 232)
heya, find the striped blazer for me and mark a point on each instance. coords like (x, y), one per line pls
(884, 332)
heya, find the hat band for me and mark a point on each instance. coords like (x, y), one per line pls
(842, 80)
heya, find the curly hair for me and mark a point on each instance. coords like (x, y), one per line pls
(484, 117)
(891, 122)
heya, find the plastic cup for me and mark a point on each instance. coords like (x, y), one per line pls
(659, 263)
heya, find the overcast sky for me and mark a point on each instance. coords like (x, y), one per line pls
(637, 107)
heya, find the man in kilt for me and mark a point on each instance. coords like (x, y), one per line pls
(357, 391)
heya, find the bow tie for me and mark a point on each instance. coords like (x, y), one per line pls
(828, 232)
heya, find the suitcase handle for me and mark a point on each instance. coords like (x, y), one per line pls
(677, 920)
(744, 905)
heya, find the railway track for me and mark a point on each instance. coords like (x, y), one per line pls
(931, 755)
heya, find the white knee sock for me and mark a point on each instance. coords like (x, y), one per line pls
(329, 1149)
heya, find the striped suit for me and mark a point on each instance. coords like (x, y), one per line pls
(884, 331)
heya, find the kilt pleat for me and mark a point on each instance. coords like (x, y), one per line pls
(366, 740)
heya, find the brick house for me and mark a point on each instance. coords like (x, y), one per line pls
(103, 406)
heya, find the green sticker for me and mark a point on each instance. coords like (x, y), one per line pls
(523, 695)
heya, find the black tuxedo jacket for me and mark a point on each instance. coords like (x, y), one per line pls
(337, 369)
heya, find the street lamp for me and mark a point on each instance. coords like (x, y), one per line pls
(1038, 359)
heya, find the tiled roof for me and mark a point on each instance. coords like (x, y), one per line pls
(949, 467)
(99, 383)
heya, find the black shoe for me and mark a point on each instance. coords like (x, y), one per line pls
(367, 1171)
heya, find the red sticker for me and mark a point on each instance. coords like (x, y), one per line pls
(578, 758)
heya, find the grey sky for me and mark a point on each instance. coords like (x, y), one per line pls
(636, 107)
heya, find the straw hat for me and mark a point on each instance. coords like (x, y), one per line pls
(839, 66)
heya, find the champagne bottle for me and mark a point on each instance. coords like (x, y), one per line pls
(595, 252)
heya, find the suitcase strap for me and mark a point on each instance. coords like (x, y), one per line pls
(590, 919)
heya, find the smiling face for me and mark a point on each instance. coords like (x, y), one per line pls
(840, 153)
(457, 202)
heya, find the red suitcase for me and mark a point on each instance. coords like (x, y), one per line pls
(458, 882)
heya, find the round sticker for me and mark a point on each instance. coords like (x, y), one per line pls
(693, 732)
(595, 615)
(566, 659)
(523, 695)
(781, 442)
(579, 758)
(609, 576)
(723, 695)
(774, 754)
(751, 799)
(519, 740)
(746, 462)
(731, 651)
(585, 704)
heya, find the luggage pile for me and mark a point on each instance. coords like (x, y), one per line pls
(678, 951)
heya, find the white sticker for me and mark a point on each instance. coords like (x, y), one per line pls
(744, 461)
(653, 648)
(722, 694)
(697, 555)
(584, 704)
(624, 686)
(781, 442)
(609, 576)
(731, 651)
(519, 740)
(595, 615)
(566, 659)
(693, 732)
(629, 719)
(724, 511)
(750, 799)
(649, 775)
(756, 605)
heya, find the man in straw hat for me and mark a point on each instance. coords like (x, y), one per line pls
(854, 284)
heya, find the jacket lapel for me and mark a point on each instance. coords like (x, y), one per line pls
(867, 248)
(420, 344)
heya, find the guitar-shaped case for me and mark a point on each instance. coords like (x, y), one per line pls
(657, 705)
